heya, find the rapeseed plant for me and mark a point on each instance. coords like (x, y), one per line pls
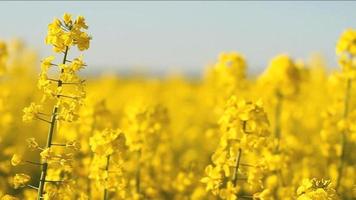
(174, 137)
(66, 91)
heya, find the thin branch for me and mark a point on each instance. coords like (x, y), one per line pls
(51, 79)
(247, 165)
(72, 61)
(237, 166)
(32, 187)
(80, 82)
(343, 134)
(57, 144)
(246, 197)
(53, 181)
(41, 113)
(37, 117)
(106, 192)
(33, 163)
(66, 96)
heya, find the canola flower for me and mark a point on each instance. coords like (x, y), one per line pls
(66, 90)
(173, 137)
(107, 164)
(19, 60)
(346, 50)
(316, 189)
(244, 127)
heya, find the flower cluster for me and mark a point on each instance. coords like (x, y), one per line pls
(226, 76)
(346, 50)
(143, 126)
(283, 75)
(107, 165)
(68, 32)
(245, 128)
(316, 189)
(176, 137)
(229, 69)
(66, 89)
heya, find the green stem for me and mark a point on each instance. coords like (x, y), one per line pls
(277, 118)
(92, 128)
(138, 172)
(106, 192)
(238, 159)
(343, 134)
(49, 138)
(48, 145)
(277, 134)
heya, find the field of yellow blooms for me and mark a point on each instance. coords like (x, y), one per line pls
(288, 133)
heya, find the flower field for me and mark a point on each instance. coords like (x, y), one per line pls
(287, 133)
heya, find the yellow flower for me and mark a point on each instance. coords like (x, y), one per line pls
(213, 180)
(73, 144)
(105, 142)
(46, 154)
(254, 177)
(32, 144)
(233, 61)
(282, 75)
(347, 42)
(21, 180)
(266, 194)
(46, 63)
(83, 41)
(315, 189)
(80, 22)
(31, 112)
(67, 18)
(77, 63)
(64, 35)
(229, 192)
(9, 197)
(16, 159)
(346, 50)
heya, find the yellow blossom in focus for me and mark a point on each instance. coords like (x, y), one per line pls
(67, 18)
(21, 180)
(63, 35)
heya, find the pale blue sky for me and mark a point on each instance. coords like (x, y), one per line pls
(186, 36)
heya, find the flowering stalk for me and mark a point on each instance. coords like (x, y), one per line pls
(345, 49)
(48, 145)
(244, 126)
(343, 134)
(106, 192)
(234, 179)
(50, 135)
(138, 172)
(107, 146)
(62, 34)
